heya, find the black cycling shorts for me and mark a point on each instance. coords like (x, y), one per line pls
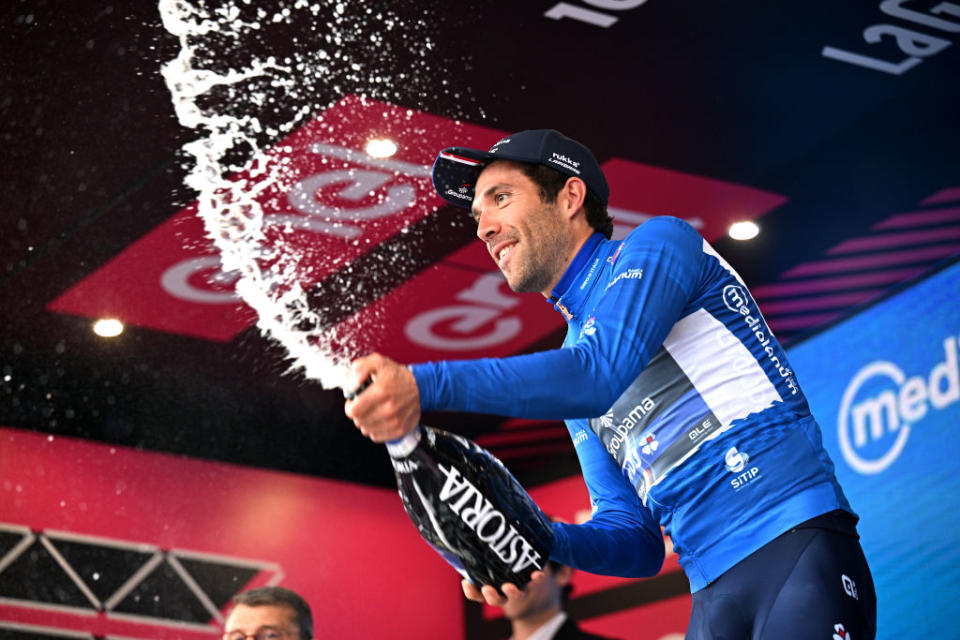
(811, 582)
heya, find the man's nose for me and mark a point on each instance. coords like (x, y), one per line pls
(487, 225)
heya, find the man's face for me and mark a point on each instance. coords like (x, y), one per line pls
(280, 619)
(536, 599)
(526, 237)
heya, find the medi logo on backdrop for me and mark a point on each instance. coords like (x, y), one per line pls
(884, 385)
(340, 203)
(882, 404)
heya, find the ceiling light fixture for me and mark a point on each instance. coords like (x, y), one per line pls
(108, 327)
(381, 148)
(743, 230)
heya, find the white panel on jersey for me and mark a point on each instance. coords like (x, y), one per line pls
(721, 368)
(710, 251)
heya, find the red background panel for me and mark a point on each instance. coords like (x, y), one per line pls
(350, 550)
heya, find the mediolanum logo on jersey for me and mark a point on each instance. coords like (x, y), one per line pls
(881, 404)
(736, 299)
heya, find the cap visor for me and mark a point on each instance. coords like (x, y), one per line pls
(455, 173)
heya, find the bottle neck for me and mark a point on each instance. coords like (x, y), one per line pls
(403, 447)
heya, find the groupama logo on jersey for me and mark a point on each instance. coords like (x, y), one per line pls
(881, 404)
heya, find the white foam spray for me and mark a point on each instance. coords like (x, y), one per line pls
(232, 217)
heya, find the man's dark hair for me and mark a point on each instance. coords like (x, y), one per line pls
(550, 181)
(278, 595)
(567, 588)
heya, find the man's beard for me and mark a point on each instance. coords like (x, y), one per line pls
(543, 257)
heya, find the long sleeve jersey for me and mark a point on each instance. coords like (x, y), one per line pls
(682, 406)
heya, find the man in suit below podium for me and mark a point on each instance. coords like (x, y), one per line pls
(538, 614)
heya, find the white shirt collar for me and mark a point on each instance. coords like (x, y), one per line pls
(547, 631)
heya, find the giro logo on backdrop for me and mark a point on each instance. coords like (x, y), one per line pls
(484, 305)
(881, 404)
(490, 525)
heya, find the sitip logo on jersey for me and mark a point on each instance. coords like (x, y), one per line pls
(736, 462)
(883, 402)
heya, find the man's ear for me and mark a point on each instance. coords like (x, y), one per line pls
(562, 575)
(572, 196)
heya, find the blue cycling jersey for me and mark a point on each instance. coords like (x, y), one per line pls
(683, 408)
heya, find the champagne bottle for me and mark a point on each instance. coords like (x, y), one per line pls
(469, 507)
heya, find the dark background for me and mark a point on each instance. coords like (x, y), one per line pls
(91, 161)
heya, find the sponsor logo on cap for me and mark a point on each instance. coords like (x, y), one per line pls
(564, 161)
(458, 194)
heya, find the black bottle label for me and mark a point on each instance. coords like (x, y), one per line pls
(469, 507)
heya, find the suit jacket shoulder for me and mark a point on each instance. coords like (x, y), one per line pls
(570, 631)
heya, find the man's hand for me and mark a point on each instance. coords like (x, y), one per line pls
(390, 407)
(489, 595)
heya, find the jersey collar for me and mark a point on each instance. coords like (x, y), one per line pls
(575, 278)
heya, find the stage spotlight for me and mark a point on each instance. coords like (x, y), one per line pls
(743, 230)
(381, 148)
(108, 327)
